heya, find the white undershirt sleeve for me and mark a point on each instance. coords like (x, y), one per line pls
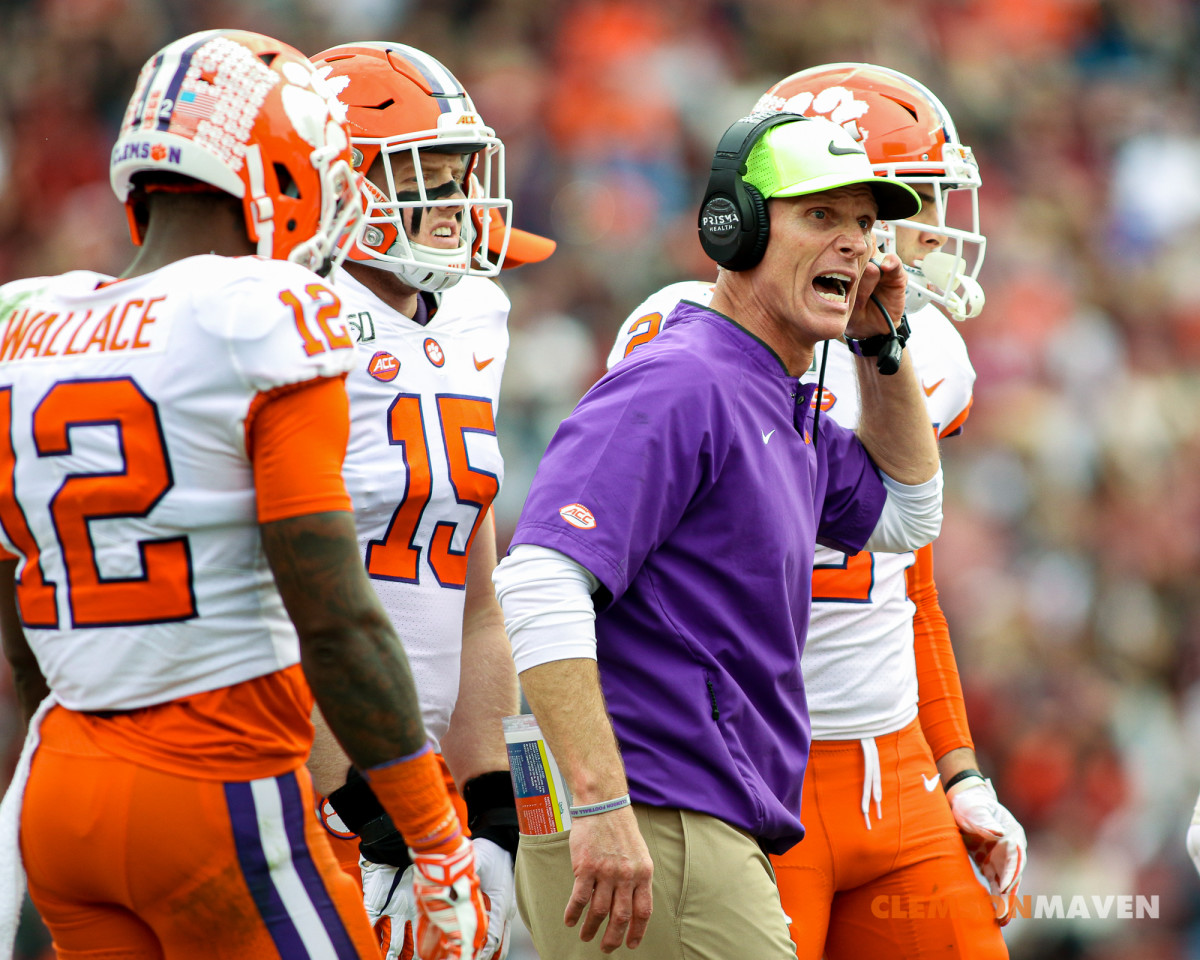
(547, 601)
(911, 518)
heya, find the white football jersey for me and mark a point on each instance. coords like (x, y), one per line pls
(423, 464)
(126, 491)
(859, 668)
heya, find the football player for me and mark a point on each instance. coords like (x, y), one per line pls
(893, 800)
(172, 504)
(423, 464)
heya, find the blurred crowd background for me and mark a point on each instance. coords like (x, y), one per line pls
(1069, 566)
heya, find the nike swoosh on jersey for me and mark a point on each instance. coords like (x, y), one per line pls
(767, 436)
(930, 783)
(480, 364)
(843, 151)
(929, 390)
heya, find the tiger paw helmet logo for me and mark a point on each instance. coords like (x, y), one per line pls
(834, 102)
(578, 516)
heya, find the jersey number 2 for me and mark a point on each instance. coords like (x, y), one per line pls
(847, 582)
(164, 591)
(396, 556)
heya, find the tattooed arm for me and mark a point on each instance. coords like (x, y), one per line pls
(352, 657)
(350, 652)
(27, 675)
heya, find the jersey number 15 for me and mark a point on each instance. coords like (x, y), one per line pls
(396, 556)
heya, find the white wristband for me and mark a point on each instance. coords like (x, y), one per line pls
(604, 806)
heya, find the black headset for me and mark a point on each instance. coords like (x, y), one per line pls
(733, 223)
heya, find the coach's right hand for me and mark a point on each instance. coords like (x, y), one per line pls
(613, 871)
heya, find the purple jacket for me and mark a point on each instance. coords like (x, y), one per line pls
(686, 482)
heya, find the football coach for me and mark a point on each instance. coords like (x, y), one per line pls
(658, 585)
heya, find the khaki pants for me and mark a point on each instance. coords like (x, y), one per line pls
(714, 894)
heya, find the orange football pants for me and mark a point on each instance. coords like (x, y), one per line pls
(129, 862)
(903, 888)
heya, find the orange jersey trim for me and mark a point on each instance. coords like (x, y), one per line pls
(254, 729)
(940, 705)
(296, 438)
(957, 423)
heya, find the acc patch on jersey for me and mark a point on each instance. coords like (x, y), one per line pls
(577, 515)
(383, 366)
(433, 350)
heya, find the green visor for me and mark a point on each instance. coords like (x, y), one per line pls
(793, 159)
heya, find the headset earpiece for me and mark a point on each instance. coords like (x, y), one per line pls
(733, 223)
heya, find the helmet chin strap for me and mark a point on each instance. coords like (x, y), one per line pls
(426, 275)
(261, 208)
(421, 267)
(944, 271)
(916, 293)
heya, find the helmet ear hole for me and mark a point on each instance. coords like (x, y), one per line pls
(287, 183)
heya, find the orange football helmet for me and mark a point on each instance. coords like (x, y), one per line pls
(401, 101)
(910, 136)
(251, 116)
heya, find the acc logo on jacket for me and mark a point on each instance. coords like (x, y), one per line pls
(433, 350)
(383, 366)
(577, 515)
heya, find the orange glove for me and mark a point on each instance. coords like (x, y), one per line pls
(451, 913)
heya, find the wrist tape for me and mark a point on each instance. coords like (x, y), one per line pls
(412, 791)
(361, 812)
(492, 809)
(960, 776)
